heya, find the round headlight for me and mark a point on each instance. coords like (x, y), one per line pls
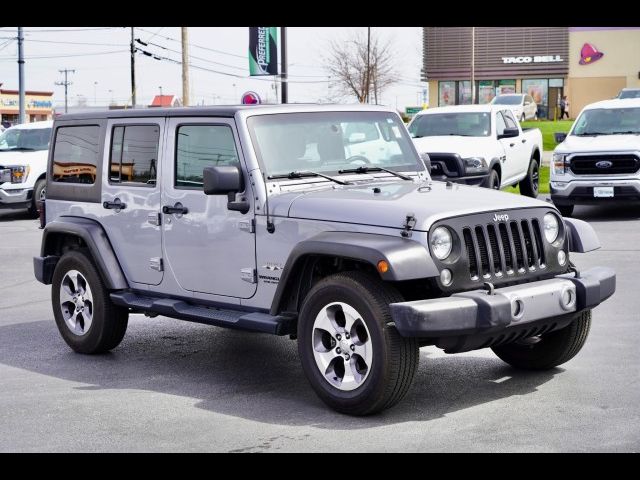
(441, 243)
(551, 228)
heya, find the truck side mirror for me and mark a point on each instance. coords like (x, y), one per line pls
(509, 133)
(560, 137)
(226, 179)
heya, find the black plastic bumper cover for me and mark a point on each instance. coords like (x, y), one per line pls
(43, 268)
(477, 312)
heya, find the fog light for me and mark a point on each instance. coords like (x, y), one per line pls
(562, 257)
(567, 298)
(517, 308)
(445, 277)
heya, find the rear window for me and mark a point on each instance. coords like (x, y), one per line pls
(75, 154)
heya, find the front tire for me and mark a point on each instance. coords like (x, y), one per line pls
(86, 318)
(39, 192)
(351, 353)
(551, 350)
(493, 182)
(530, 185)
(522, 118)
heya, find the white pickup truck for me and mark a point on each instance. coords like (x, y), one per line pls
(23, 163)
(599, 160)
(479, 145)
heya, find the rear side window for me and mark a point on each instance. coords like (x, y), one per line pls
(75, 154)
(200, 146)
(509, 120)
(134, 154)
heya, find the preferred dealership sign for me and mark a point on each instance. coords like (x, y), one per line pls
(263, 51)
(533, 59)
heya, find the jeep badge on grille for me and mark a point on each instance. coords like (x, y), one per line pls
(500, 218)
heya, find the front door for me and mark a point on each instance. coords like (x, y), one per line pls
(208, 248)
(131, 196)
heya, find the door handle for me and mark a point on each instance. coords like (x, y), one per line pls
(524, 140)
(177, 209)
(116, 205)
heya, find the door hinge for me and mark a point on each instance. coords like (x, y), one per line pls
(154, 218)
(247, 225)
(409, 224)
(249, 275)
(155, 263)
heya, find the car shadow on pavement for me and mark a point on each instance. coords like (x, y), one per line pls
(604, 213)
(252, 376)
(11, 215)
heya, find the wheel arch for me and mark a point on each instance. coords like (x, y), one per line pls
(341, 251)
(68, 233)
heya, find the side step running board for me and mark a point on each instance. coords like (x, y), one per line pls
(253, 321)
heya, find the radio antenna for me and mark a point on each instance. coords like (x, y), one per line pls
(270, 226)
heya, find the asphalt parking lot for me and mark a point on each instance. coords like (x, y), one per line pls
(178, 386)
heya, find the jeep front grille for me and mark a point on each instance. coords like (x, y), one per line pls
(504, 248)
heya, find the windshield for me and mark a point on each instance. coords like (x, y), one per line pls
(473, 124)
(507, 100)
(331, 141)
(630, 94)
(25, 139)
(608, 121)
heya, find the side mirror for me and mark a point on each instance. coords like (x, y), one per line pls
(509, 133)
(221, 180)
(427, 161)
(227, 179)
(560, 137)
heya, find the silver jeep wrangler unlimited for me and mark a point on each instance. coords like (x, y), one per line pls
(318, 222)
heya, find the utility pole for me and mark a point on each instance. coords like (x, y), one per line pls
(283, 60)
(66, 84)
(473, 65)
(185, 67)
(133, 70)
(368, 64)
(21, 101)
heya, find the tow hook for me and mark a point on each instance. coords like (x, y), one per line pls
(489, 287)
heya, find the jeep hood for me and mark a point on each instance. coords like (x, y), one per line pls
(428, 202)
(601, 143)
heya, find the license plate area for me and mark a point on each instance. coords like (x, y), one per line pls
(603, 192)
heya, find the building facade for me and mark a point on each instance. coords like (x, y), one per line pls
(38, 106)
(585, 64)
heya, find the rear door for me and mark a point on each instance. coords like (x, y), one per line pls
(209, 249)
(131, 196)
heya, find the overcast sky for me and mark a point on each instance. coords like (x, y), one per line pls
(102, 55)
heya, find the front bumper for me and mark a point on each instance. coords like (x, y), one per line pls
(474, 180)
(478, 312)
(15, 198)
(574, 191)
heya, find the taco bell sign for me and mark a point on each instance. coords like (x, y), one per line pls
(533, 59)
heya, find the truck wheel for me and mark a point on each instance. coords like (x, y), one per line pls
(352, 354)
(529, 185)
(493, 181)
(39, 191)
(84, 314)
(565, 210)
(522, 118)
(551, 349)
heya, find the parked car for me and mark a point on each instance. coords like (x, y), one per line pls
(23, 163)
(629, 93)
(225, 216)
(598, 161)
(479, 145)
(521, 105)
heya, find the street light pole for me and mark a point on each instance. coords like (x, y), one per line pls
(368, 63)
(21, 100)
(283, 61)
(133, 70)
(473, 65)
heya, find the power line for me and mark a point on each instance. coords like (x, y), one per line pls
(66, 56)
(69, 30)
(79, 43)
(66, 84)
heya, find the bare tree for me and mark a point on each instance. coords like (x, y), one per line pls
(347, 65)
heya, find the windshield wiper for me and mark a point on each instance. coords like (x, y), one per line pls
(19, 149)
(628, 132)
(364, 169)
(591, 134)
(297, 174)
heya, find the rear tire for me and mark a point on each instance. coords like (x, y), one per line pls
(553, 349)
(351, 353)
(86, 318)
(530, 184)
(565, 210)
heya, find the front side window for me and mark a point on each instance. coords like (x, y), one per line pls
(500, 125)
(509, 121)
(472, 124)
(608, 121)
(134, 154)
(328, 142)
(75, 154)
(200, 146)
(25, 139)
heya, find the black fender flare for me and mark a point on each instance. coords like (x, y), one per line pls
(582, 237)
(407, 259)
(96, 240)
